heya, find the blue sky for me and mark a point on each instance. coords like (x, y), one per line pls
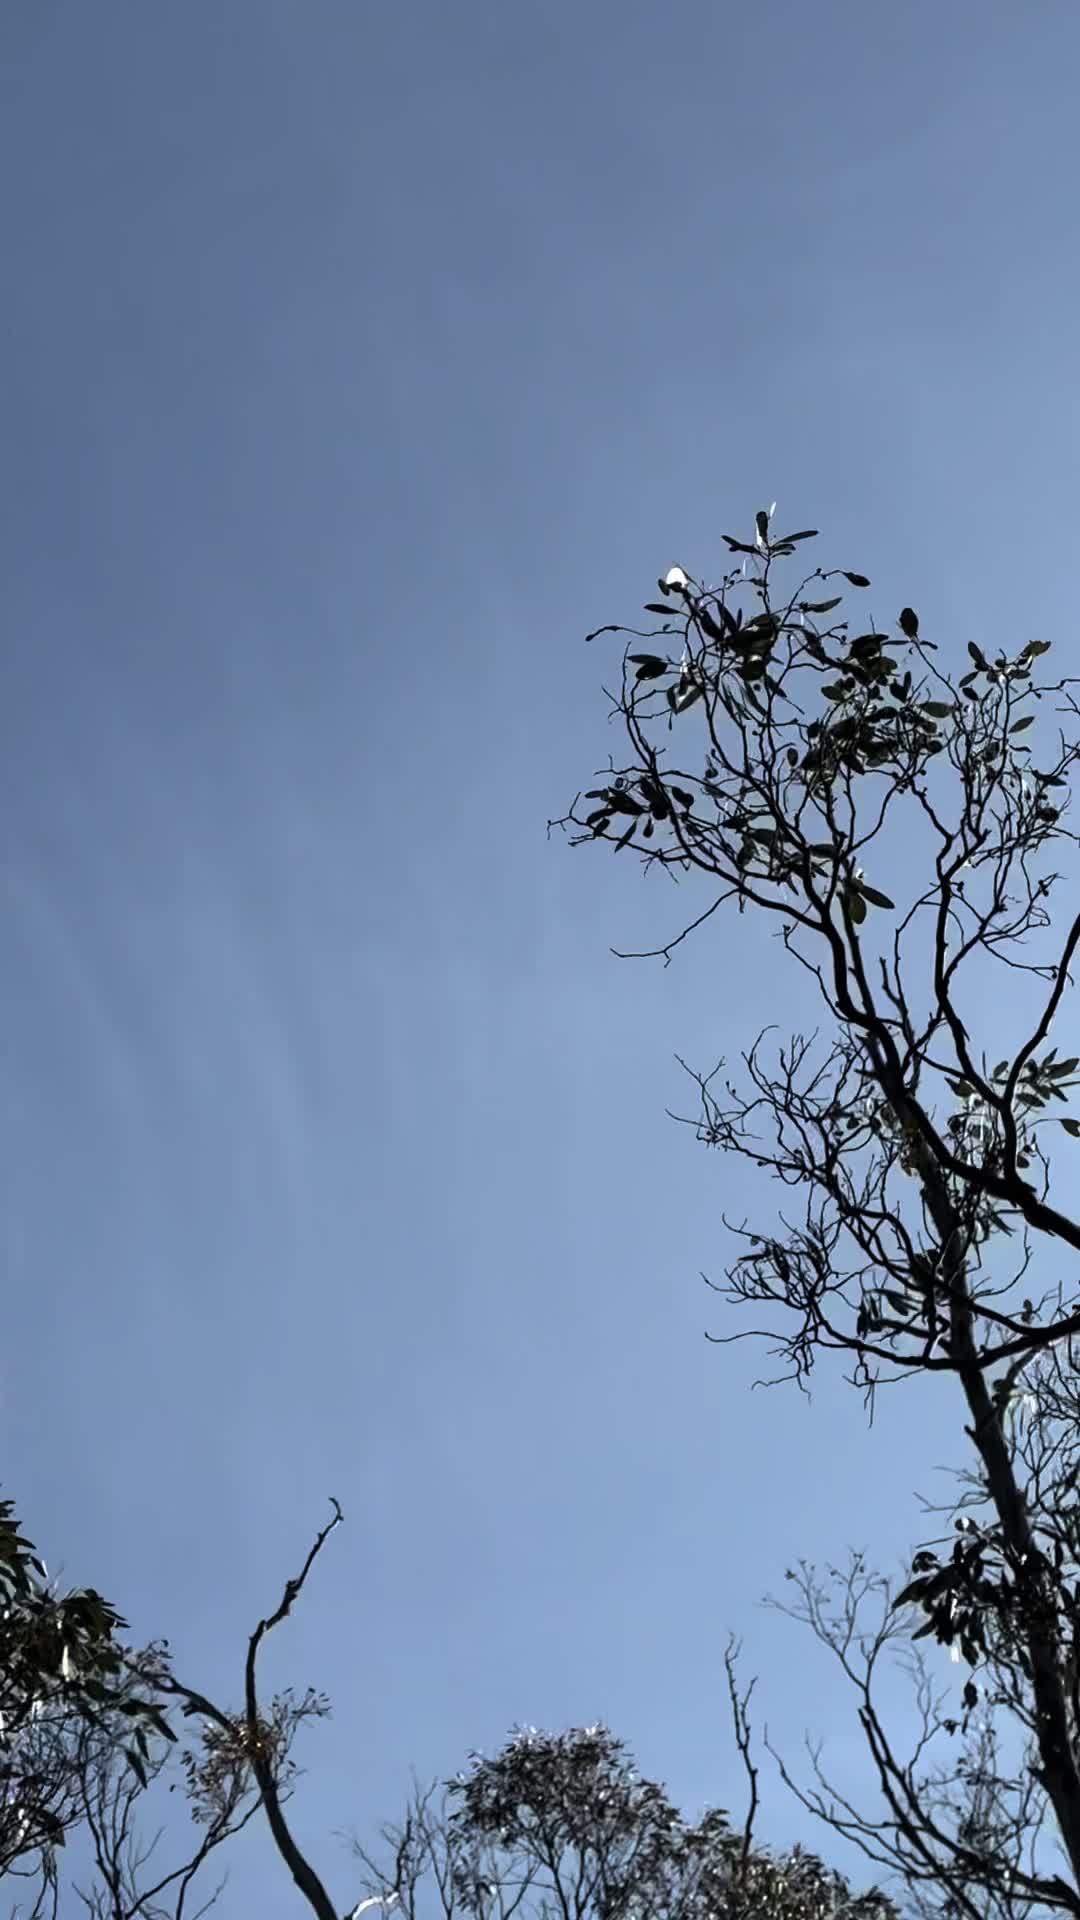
(357, 360)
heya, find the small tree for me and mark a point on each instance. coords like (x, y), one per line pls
(66, 1690)
(563, 1825)
(89, 1745)
(902, 820)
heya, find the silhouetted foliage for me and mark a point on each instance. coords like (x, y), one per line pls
(562, 1824)
(899, 811)
(556, 1824)
(66, 1689)
(90, 1742)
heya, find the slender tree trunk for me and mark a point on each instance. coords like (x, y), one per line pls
(1060, 1774)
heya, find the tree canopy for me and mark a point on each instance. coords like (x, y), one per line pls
(898, 810)
(562, 1824)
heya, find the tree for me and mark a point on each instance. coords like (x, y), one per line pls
(66, 1688)
(87, 1737)
(556, 1824)
(562, 1824)
(902, 819)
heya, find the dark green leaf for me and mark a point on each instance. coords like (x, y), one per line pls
(818, 606)
(866, 645)
(789, 539)
(761, 521)
(911, 1594)
(855, 907)
(134, 1760)
(1071, 1126)
(909, 623)
(875, 898)
(857, 579)
(1020, 726)
(721, 630)
(937, 709)
(687, 699)
(649, 666)
(1035, 647)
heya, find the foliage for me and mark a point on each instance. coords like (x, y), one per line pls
(562, 1824)
(66, 1689)
(88, 1747)
(904, 823)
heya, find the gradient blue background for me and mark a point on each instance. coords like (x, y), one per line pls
(357, 359)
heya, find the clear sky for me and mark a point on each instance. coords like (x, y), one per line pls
(357, 359)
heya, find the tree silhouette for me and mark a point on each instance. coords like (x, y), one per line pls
(562, 1824)
(900, 816)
